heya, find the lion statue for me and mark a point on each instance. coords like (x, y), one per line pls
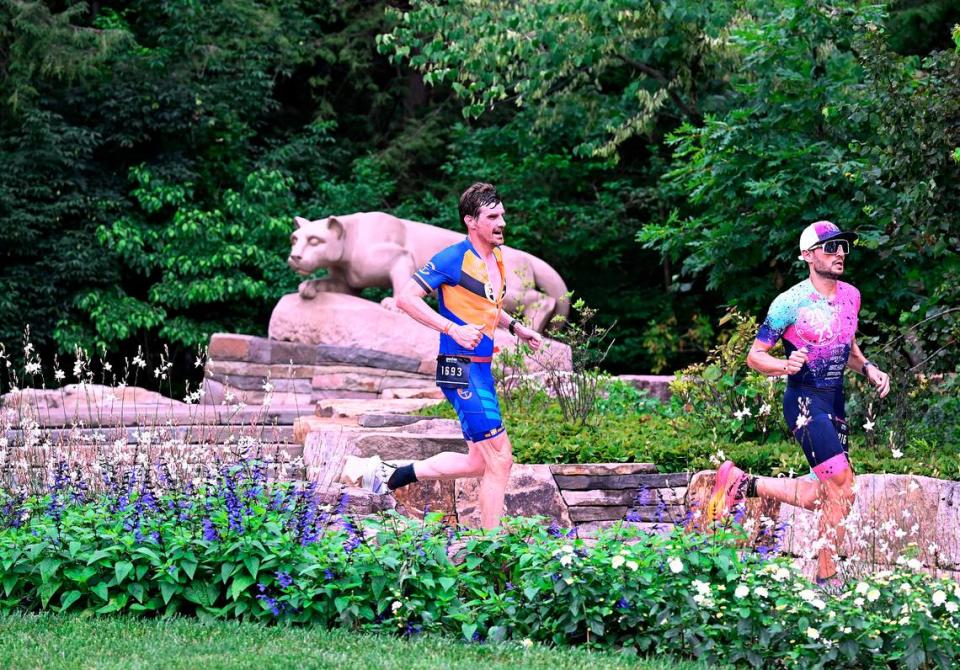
(373, 249)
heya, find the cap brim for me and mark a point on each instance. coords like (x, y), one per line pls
(848, 236)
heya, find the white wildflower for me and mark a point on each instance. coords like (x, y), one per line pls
(873, 595)
(59, 375)
(676, 565)
(566, 559)
(868, 426)
(939, 597)
(952, 607)
(761, 591)
(527, 642)
(896, 453)
(764, 410)
(813, 633)
(632, 565)
(617, 561)
(396, 605)
(742, 591)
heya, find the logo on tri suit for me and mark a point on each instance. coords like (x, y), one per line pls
(464, 394)
(817, 324)
(488, 289)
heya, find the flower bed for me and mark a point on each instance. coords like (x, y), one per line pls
(229, 546)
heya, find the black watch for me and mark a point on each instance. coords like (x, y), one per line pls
(863, 370)
(512, 327)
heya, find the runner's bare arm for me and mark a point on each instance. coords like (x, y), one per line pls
(856, 362)
(528, 335)
(760, 360)
(411, 300)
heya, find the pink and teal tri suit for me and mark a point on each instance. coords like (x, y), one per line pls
(813, 402)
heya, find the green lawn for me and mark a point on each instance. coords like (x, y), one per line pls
(54, 641)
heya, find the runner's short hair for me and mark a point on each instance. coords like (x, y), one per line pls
(477, 196)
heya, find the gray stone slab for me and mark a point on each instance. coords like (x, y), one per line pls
(651, 481)
(603, 468)
(597, 513)
(292, 353)
(407, 446)
(328, 353)
(388, 420)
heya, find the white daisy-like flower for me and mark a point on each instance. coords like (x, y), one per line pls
(676, 565)
(939, 597)
(873, 595)
(868, 426)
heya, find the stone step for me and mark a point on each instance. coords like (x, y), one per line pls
(650, 481)
(602, 468)
(650, 497)
(350, 407)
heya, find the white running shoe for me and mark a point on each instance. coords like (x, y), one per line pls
(376, 475)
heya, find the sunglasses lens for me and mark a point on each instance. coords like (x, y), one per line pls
(833, 246)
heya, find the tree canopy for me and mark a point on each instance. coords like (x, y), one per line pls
(662, 155)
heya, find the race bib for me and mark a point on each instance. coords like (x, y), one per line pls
(453, 371)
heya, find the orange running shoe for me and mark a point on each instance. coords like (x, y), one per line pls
(726, 492)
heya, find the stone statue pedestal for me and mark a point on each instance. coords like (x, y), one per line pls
(337, 346)
(347, 321)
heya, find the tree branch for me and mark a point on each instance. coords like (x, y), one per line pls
(691, 113)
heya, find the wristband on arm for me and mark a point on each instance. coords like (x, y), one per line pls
(512, 327)
(863, 370)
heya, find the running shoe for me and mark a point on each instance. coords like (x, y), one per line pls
(726, 492)
(376, 475)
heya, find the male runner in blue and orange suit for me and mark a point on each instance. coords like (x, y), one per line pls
(471, 285)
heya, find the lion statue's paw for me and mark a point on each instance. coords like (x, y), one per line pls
(391, 304)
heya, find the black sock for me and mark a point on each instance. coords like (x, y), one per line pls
(751, 487)
(401, 477)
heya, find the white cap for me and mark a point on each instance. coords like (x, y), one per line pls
(821, 231)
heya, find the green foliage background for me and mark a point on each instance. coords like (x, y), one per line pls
(662, 155)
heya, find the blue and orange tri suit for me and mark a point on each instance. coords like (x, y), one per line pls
(465, 295)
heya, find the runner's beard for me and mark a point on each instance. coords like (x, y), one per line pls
(828, 274)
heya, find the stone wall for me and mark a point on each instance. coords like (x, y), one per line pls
(255, 369)
(893, 516)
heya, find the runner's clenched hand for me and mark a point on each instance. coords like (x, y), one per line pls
(796, 361)
(467, 336)
(529, 335)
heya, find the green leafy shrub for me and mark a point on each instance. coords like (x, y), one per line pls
(235, 548)
(725, 397)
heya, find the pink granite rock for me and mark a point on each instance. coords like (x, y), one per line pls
(531, 491)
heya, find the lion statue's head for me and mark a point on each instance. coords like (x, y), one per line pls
(315, 244)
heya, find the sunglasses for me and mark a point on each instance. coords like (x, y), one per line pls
(833, 246)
